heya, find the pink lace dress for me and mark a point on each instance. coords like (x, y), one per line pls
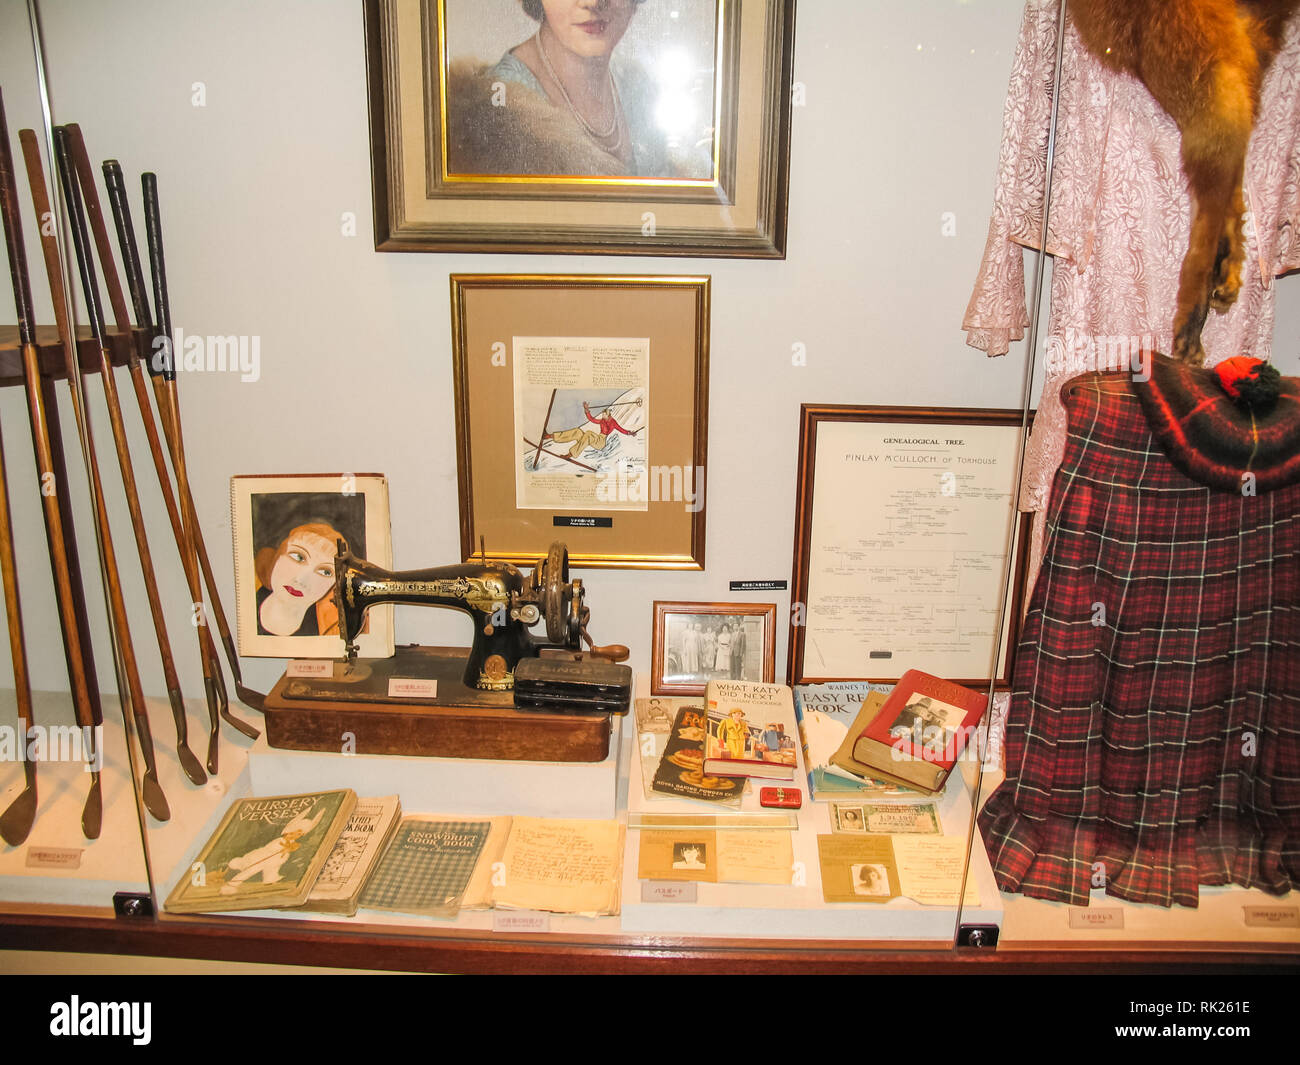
(1118, 226)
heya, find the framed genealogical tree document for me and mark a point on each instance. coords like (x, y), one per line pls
(903, 521)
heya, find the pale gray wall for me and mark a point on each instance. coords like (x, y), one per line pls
(902, 122)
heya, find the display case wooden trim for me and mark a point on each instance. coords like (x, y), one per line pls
(319, 944)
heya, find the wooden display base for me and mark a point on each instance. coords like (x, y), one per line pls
(460, 722)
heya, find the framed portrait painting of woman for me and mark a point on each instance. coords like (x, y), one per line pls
(645, 127)
(286, 530)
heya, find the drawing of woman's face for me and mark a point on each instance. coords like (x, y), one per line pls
(589, 28)
(304, 571)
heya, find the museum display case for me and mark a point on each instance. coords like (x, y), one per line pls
(683, 436)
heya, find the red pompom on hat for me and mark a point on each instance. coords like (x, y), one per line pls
(1253, 383)
(1216, 425)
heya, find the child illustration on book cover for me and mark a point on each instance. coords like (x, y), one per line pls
(268, 860)
(269, 841)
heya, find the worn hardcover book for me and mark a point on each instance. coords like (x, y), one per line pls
(427, 867)
(918, 734)
(751, 730)
(265, 854)
(824, 713)
(822, 733)
(680, 772)
(353, 859)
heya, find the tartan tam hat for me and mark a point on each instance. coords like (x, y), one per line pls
(1218, 425)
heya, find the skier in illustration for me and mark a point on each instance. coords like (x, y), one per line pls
(583, 438)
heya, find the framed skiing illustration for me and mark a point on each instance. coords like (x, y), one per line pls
(582, 415)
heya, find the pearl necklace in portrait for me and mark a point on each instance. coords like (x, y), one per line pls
(615, 129)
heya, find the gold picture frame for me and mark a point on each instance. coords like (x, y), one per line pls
(468, 154)
(900, 536)
(582, 416)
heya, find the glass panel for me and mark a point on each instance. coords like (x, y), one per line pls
(68, 816)
(1130, 803)
(837, 370)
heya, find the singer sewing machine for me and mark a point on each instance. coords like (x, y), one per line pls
(504, 604)
(498, 699)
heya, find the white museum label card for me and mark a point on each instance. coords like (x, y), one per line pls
(412, 688)
(665, 891)
(520, 921)
(1110, 917)
(310, 667)
(54, 857)
(1271, 916)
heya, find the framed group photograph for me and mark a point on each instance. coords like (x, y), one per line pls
(903, 516)
(642, 127)
(286, 529)
(582, 416)
(695, 643)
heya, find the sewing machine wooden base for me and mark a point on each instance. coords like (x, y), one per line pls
(459, 722)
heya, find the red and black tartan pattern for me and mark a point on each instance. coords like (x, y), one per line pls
(1153, 739)
(1213, 439)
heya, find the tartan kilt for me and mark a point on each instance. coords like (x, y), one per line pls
(1153, 737)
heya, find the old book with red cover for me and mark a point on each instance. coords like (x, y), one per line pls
(919, 733)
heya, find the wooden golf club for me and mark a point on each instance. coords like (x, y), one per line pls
(52, 484)
(18, 817)
(95, 216)
(151, 789)
(167, 370)
(185, 524)
(92, 813)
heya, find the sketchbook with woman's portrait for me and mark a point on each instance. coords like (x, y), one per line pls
(286, 530)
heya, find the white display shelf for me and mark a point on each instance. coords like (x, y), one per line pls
(115, 861)
(724, 913)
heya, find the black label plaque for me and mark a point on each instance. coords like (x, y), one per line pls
(581, 521)
(757, 586)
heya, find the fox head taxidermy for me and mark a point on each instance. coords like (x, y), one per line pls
(1203, 61)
